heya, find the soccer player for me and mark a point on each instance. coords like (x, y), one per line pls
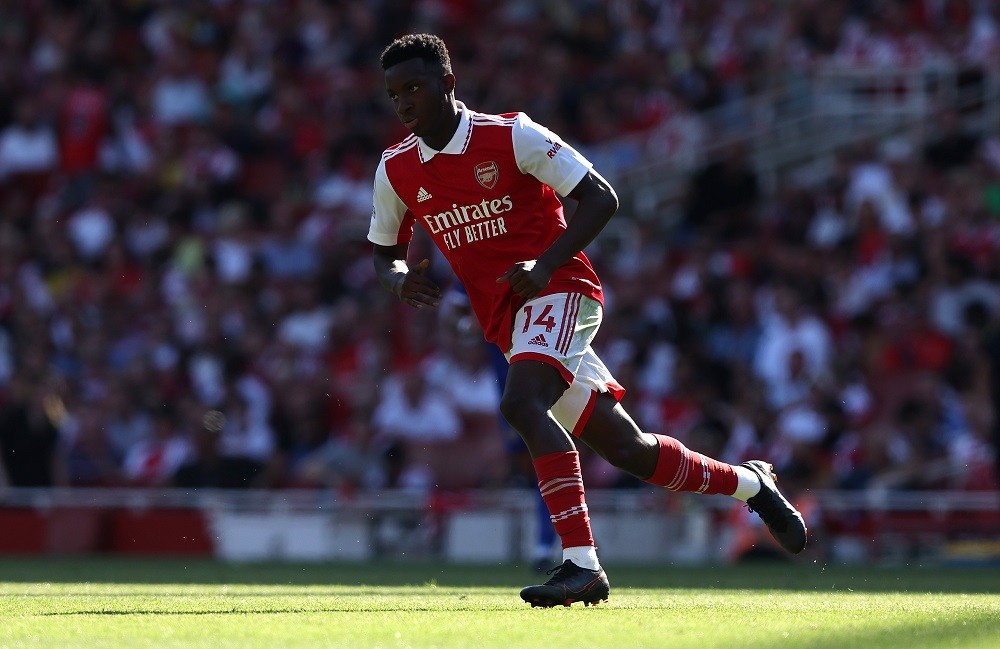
(484, 187)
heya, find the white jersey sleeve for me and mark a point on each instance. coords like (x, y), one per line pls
(388, 212)
(545, 155)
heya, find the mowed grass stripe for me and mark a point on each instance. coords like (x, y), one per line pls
(291, 606)
(489, 624)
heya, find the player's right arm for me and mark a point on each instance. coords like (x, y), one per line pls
(390, 232)
(408, 284)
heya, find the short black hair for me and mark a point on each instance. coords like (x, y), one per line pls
(427, 47)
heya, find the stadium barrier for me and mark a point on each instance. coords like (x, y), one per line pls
(631, 526)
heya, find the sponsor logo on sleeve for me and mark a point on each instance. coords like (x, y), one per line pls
(551, 153)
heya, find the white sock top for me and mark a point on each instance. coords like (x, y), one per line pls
(584, 556)
(748, 484)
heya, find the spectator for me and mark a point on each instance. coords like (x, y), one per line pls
(464, 362)
(179, 95)
(126, 420)
(286, 255)
(960, 287)
(308, 322)
(876, 193)
(29, 151)
(30, 437)
(83, 122)
(247, 444)
(339, 459)
(234, 248)
(204, 466)
(411, 421)
(90, 457)
(153, 462)
(246, 72)
(918, 447)
(733, 338)
(795, 345)
(92, 228)
(209, 165)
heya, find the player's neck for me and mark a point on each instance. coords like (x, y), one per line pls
(439, 139)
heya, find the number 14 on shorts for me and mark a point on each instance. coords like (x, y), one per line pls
(544, 319)
(549, 324)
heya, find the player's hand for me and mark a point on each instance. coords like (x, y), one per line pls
(416, 289)
(527, 278)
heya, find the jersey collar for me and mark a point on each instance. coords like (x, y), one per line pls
(459, 142)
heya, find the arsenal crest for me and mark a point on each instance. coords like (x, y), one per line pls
(487, 174)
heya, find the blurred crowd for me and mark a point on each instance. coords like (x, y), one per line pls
(186, 293)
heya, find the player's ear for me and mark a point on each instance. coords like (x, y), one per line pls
(449, 83)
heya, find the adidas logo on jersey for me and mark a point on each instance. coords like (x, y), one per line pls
(423, 195)
(539, 340)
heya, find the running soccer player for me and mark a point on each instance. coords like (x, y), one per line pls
(484, 187)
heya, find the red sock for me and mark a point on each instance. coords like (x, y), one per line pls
(561, 484)
(681, 469)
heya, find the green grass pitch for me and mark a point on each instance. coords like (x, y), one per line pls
(119, 603)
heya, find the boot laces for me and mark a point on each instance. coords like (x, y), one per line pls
(769, 509)
(557, 573)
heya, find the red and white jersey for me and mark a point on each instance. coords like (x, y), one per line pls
(488, 199)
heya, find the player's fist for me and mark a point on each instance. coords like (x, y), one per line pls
(527, 278)
(416, 289)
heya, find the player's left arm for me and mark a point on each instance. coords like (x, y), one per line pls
(544, 155)
(597, 203)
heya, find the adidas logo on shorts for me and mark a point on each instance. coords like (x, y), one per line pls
(539, 340)
(423, 195)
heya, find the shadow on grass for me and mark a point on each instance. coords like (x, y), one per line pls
(780, 576)
(977, 630)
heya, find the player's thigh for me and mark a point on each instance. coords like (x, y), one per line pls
(611, 432)
(592, 378)
(609, 425)
(533, 385)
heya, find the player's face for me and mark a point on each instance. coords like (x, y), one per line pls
(419, 94)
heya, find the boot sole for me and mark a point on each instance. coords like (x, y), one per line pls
(544, 602)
